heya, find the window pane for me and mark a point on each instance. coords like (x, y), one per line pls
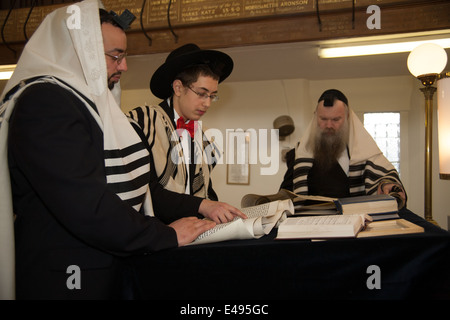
(384, 127)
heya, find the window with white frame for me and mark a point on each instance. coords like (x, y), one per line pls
(384, 127)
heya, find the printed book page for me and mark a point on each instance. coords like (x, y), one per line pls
(260, 221)
(322, 226)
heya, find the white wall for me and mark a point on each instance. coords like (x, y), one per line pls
(247, 105)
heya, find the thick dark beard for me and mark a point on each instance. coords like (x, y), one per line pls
(328, 146)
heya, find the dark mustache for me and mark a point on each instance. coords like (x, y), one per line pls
(115, 74)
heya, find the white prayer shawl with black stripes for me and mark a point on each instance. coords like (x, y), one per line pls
(72, 56)
(164, 141)
(368, 166)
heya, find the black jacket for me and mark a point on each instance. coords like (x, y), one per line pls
(65, 213)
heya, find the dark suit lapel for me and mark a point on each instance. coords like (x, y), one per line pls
(169, 110)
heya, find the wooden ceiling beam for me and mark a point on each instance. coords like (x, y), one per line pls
(295, 28)
(266, 25)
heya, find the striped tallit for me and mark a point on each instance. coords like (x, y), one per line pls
(73, 58)
(164, 143)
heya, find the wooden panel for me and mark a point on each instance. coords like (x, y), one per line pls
(227, 23)
(294, 28)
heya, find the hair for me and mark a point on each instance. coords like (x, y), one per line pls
(106, 17)
(190, 74)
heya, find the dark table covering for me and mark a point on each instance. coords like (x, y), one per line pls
(411, 266)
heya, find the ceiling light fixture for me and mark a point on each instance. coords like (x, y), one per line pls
(378, 48)
(6, 71)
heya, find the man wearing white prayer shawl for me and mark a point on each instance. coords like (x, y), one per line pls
(187, 82)
(73, 171)
(337, 157)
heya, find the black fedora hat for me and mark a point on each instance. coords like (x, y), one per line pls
(183, 57)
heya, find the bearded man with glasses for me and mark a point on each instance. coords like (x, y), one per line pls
(74, 191)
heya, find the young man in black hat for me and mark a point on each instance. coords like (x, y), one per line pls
(338, 158)
(183, 157)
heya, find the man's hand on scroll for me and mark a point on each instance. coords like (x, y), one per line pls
(188, 229)
(219, 212)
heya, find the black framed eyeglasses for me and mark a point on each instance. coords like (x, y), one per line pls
(119, 58)
(204, 95)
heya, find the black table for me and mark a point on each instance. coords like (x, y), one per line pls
(410, 266)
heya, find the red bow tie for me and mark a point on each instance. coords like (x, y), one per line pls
(188, 126)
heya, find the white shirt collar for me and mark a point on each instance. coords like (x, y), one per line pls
(344, 161)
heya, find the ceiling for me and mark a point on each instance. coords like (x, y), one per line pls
(298, 60)
(280, 61)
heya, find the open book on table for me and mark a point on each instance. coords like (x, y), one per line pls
(378, 206)
(322, 227)
(261, 219)
(342, 226)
